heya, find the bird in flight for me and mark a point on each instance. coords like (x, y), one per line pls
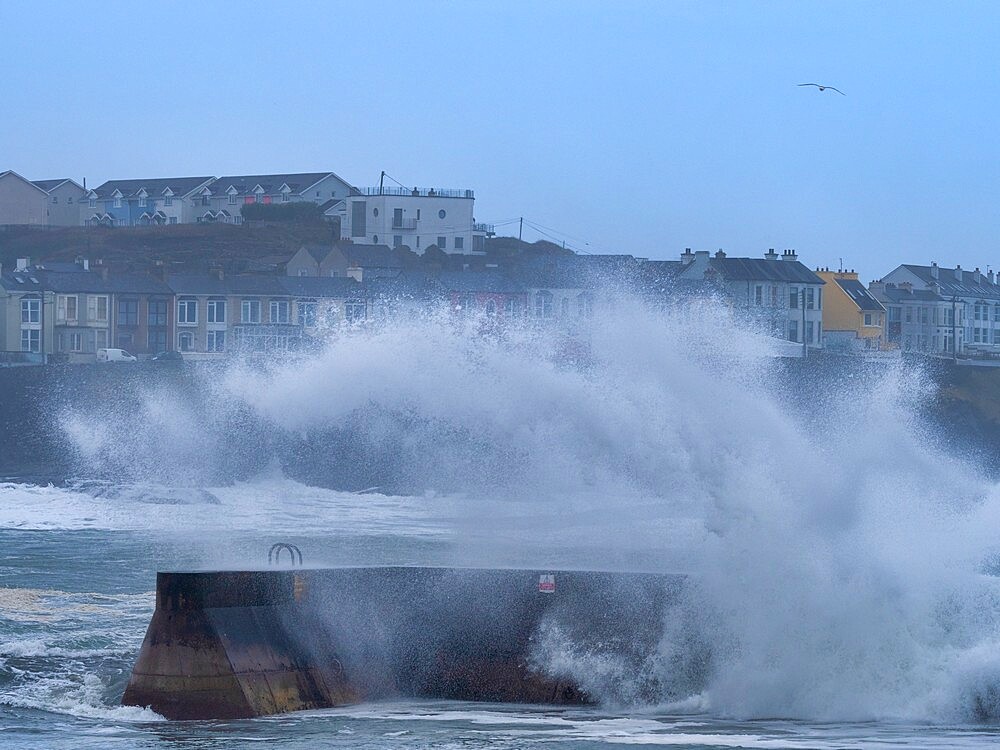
(824, 88)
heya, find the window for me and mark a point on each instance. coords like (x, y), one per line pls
(168, 201)
(923, 315)
(31, 311)
(284, 197)
(375, 212)
(187, 311)
(418, 214)
(442, 242)
(76, 341)
(128, 312)
(156, 317)
(92, 202)
(397, 218)
(97, 309)
(185, 341)
(810, 298)
(66, 307)
(774, 295)
(543, 304)
(355, 311)
(279, 311)
(894, 314)
(909, 314)
(793, 298)
(216, 311)
(459, 243)
(118, 201)
(216, 341)
(809, 332)
(69, 200)
(101, 335)
(173, 219)
(374, 239)
(397, 240)
(564, 307)
(55, 199)
(250, 311)
(793, 330)
(758, 295)
(441, 214)
(31, 340)
(307, 312)
(868, 319)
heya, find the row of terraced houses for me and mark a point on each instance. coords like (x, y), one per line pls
(67, 311)
(413, 217)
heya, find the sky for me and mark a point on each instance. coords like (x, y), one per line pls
(626, 127)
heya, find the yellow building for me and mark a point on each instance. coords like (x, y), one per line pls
(852, 317)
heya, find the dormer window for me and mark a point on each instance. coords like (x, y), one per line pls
(118, 199)
(92, 201)
(232, 196)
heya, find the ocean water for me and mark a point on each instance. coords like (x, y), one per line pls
(842, 555)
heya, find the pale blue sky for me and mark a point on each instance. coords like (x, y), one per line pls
(637, 127)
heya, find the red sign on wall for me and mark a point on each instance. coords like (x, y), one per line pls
(547, 583)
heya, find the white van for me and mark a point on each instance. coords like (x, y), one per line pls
(114, 355)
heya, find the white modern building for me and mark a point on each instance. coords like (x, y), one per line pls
(416, 218)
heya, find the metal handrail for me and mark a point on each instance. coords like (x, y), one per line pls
(274, 554)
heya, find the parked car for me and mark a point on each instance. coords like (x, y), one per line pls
(168, 357)
(114, 355)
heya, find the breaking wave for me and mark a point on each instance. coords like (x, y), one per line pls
(840, 556)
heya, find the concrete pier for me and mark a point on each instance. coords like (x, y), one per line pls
(238, 644)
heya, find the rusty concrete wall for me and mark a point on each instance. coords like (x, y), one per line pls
(240, 644)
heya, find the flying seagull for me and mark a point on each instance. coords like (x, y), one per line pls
(824, 88)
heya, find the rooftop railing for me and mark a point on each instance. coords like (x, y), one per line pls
(419, 192)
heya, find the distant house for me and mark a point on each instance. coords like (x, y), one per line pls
(21, 201)
(415, 218)
(852, 316)
(966, 319)
(147, 202)
(918, 320)
(782, 297)
(26, 312)
(359, 261)
(405, 295)
(227, 195)
(63, 204)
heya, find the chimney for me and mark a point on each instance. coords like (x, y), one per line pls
(23, 263)
(934, 269)
(687, 256)
(990, 278)
(976, 276)
(906, 286)
(356, 273)
(789, 255)
(770, 254)
(720, 253)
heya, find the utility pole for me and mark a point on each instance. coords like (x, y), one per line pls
(381, 179)
(520, 227)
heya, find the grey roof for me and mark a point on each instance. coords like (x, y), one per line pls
(859, 295)
(894, 293)
(953, 282)
(489, 282)
(318, 252)
(92, 282)
(180, 186)
(50, 185)
(271, 183)
(762, 269)
(250, 285)
(21, 281)
(404, 285)
(339, 287)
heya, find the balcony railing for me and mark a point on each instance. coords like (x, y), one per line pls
(489, 229)
(404, 223)
(419, 192)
